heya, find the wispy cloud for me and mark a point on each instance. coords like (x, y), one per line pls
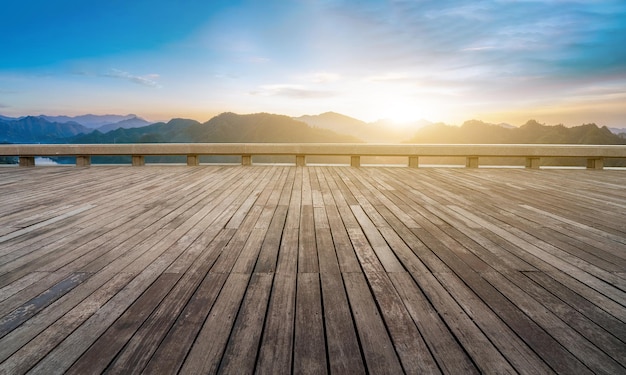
(480, 48)
(145, 80)
(292, 91)
(325, 77)
(388, 77)
(226, 75)
(257, 60)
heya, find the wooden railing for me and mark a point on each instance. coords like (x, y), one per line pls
(594, 154)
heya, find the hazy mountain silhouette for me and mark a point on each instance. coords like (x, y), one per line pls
(32, 129)
(381, 131)
(336, 122)
(532, 132)
(264, 127)
(619, 131)
(227, 127)
(133, 122)
(92, 121)
(160, 132)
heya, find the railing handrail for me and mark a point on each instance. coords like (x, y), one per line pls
(310, 149)
(532, 152)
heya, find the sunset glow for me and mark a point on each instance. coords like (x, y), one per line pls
(499, 61)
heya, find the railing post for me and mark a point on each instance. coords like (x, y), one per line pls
(246, 160)
(533, 162)
(193, 160)
(595, 163)
(471, 162)
(413, 161)
(355, 161)
(27, 161)
(138, 160)
(83, 160)
(300, 160)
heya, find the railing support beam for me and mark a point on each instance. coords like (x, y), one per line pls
(139, 160)
(355, 161)
(471, 162)
(193, 160)
(83, 160)
(300, 160)
(413, 161)
(533, 162)
(246, 160)
(595, 163)
(27, 161)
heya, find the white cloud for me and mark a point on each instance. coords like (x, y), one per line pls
(145, 80)
(324, 77)
(479, 48)
(257, 60)
(292, 91)
(386, 77)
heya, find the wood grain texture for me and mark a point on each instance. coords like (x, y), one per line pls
(280, 270)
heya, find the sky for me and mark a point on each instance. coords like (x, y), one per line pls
(555, 61)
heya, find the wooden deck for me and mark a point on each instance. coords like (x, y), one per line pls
(278, 269)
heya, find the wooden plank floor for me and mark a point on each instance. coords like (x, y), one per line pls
(279, 269)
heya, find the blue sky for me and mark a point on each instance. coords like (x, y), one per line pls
(502, 61)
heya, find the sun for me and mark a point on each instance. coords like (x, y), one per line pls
(400, 112)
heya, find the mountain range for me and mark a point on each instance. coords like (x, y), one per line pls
(264, 127)
(531, 132)
(42, 128)
(381, 131)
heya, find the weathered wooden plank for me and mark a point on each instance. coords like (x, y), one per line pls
(326, 251)
(378, 243)
(18, 316)
(307, 249)
(137, 352)
(344, 355)
(408, 342)
(240, 353)
(74, 345)
(485, 355)
(18, 354)
(579, 303)
(20, 232)
(232, 251)
(581, 348)
(268, 256)
(276, 351)
(21, 283)
(450, 356)
(295, 200)
(530, 244)
(104, 350)
(462, 235)
(377, 347)
(316, 190)
(288, 253)
(510, 345)
(259, 182)
(93, 282)
(577, 321)
(309, 346)
(206, 353)
(247, 258)
(173, 350)
(346, 256)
